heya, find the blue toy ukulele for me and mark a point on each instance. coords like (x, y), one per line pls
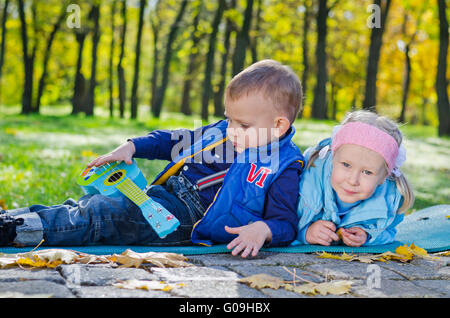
(118, 178)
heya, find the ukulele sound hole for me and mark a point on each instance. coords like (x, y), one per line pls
(115, 176)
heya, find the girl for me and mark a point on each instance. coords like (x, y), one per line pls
(352, 188)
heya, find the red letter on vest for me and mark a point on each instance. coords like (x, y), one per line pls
(252, 175)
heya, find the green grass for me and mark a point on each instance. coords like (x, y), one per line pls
(41, 155)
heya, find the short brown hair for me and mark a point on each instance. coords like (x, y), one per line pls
(276, 81)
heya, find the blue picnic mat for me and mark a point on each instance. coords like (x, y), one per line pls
(428, 228)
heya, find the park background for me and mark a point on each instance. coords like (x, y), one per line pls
(77, 78)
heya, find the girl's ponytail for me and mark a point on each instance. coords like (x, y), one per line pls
(406, 190)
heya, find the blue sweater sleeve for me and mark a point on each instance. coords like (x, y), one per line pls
(280, 211)
(164, 144)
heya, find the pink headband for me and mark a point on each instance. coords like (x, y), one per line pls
(368, 136)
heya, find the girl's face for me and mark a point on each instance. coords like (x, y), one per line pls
(357, 171)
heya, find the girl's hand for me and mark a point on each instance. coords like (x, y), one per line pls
(354, 236)
(321, 232)
(251, 238)
(124, 152)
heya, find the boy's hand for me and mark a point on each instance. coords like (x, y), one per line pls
(124, 152)
(321, 232)
(251, 238)
(354, 236)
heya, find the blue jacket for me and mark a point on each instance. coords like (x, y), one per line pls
(241, 199)
(281, 199)
(376, 215)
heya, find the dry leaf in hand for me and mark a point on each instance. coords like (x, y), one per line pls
(260, 281)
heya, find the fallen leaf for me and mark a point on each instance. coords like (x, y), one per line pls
(338, 287)
(334, 287)
(36, 262)
(54, 257)
(410, 251)
(344, 256)
(145, 285)
(260, 281)
(403, 253)
(306, 289)
(130, 258)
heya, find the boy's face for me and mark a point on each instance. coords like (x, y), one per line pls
(252, 121)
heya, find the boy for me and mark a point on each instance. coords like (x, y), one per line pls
(237, 184)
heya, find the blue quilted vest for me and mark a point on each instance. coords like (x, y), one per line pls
(240, 200)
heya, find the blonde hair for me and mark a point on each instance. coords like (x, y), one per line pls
(277, 82)
(387, 125)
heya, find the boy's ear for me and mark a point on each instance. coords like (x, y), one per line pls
(283, 124)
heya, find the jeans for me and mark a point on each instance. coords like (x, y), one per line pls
(97, 219)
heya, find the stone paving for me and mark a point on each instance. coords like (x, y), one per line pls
(217, 276)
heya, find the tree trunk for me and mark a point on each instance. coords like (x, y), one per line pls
(120, 70)
(95, 16)
(254, 42)
(443, 105)
(134, 88)
(319, 107)
(209, 68)
(305, 46)
(154, 83)
(27, 62)
(376, 40)
(161, 91)
(405, 84)
(41, 84)
(242, 40)
(2, 45)
(79, 89)
(185, 100)
(218, 96)
(111, 55)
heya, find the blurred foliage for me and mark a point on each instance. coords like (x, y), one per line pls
(278, 36)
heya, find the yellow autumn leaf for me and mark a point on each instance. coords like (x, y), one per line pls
(260, 281)
(338, 287)
(418, 250)
(413, 250)
(405, 251)
(306, 289)
(54, 257)
(344, 256)
(130, 258)
(145, 285)
(36, 262)
(334, 287)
